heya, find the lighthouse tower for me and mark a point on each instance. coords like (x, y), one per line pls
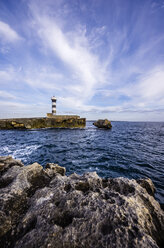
(53, 105)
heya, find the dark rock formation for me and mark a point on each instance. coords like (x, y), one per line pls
(103, 124)
(58, 121)
(44, 208)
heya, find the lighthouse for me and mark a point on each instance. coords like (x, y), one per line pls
(53, 99)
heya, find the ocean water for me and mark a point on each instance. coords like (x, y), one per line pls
(129, 149)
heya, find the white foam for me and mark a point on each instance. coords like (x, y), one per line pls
(6, 149)
(26, 151)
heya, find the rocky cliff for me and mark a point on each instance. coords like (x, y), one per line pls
(44, 208)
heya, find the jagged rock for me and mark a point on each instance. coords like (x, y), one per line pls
(45, 208)
(103, 124)
(52, 169)
(6, 162)
(148, 185)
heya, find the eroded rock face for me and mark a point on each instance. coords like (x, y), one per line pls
(45, 208)
(103, 124)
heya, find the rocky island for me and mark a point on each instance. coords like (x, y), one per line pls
(103, 124)
(56, 121)
(42, 207)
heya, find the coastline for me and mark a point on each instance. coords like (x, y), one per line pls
(44, 208)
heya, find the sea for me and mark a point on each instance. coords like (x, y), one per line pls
(129, 149)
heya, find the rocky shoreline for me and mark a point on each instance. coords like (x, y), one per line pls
(44, 208)
(57, 121)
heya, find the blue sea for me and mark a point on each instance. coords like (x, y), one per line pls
(129, 149)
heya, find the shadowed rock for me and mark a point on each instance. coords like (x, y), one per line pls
(103, 124)
(45, 208)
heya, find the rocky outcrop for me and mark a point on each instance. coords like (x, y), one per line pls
(103, 124)
(44, 208)
(44, 122)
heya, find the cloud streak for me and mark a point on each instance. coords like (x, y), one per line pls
(7, 34)
(73, 49)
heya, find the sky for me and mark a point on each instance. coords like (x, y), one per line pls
(99, 58)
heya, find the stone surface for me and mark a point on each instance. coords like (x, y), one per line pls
(44, 208)
(103, 124)
(43, 122)
(50, 115)
(53, 169)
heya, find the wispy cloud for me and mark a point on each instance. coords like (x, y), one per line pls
(7, 34)
(73, 49)
(149, 89)
(6, 95)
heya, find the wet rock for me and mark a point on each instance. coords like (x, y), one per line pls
(103, 124)
(44, 208)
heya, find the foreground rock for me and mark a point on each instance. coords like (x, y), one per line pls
(44, 208)
(103, 124)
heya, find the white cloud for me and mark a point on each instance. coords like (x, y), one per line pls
(78, 105)
(12, 104)
(6, 95)
(8, 72)
(151, 87)
(146, 94)
(148, 88)
(73, 49)
(11, 109)
(44, 79)
(8, 34)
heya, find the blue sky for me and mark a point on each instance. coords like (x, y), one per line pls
(100, 58)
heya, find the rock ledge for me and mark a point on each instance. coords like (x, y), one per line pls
(44, 208)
